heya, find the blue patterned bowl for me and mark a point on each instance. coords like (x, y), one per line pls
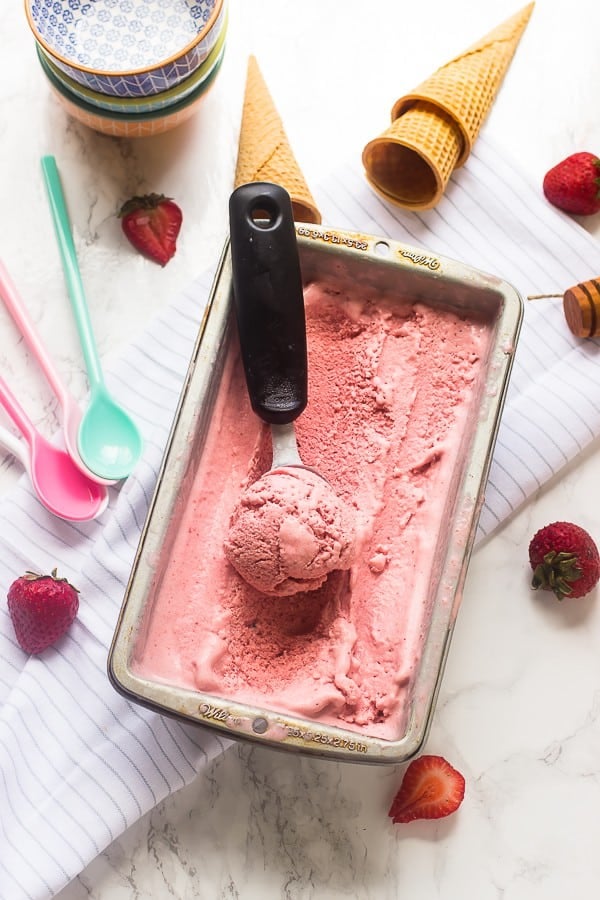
(127, 48)
(137, 104)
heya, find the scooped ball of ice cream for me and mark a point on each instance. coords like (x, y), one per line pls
(289, 531)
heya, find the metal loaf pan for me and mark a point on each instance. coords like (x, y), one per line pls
(377, 264)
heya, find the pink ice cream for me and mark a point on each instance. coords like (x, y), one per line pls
(395, 389)
(288, 532)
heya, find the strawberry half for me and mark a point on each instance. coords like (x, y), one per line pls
(431, 789)
(573, 185)
(152, 222)
(564, 559)
(42, 608)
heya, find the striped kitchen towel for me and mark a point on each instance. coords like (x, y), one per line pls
(78, 763)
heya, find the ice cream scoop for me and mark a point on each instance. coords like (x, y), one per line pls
(290, 529)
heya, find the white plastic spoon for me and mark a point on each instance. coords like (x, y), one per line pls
(62, 488)
(71, 411)
(15, 447)
(109, 441)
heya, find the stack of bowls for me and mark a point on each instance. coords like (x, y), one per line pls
(129, 68)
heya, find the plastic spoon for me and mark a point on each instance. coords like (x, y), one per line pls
(16, 447)
(109, 441)
(62, 488)
(70, 408)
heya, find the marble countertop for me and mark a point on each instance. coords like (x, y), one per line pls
(518, 711)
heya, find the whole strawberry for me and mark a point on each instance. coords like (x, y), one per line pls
(431, 789)
(152, 223)
(565, 560)
(42, 607)
(574, 184)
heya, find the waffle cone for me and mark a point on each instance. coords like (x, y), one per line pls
(434, 126)
(264, 152)
(411, 162)
(466, 87)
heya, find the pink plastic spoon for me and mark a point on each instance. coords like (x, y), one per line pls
(62, 488)
(71, 411)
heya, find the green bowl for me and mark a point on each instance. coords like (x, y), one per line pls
(127, 116)
(133, 124)
(136, 105)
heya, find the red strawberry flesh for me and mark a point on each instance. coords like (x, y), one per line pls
(152, 222)
(431, 789)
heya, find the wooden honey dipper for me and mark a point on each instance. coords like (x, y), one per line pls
(581, 306)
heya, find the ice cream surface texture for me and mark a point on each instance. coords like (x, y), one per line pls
(289, 531)
(395, 392)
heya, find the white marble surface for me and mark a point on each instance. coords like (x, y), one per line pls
(519, 710)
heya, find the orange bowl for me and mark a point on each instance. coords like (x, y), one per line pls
(128, 128)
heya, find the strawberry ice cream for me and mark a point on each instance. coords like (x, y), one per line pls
(288, 532)
(395, 390)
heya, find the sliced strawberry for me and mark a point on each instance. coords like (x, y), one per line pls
(431, 789)
(152, 223)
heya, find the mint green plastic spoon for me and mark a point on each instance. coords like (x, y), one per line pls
(109, 441)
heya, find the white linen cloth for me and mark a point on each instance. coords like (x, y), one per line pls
(78, 763)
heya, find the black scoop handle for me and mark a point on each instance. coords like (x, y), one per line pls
(268, 300)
